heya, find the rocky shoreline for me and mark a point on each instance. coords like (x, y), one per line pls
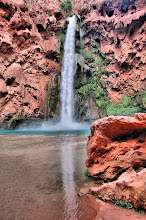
(116, 152)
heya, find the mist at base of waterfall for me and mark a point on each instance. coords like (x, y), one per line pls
(55, 124)
(66, 125)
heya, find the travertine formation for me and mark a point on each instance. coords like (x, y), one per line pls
(116, 149)
(29, 57)
(28, 45)
(119, 27)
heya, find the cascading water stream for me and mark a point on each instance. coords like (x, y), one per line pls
(68, 70)
(67, 74)
(81, 38)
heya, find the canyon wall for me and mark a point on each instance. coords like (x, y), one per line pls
(31, 47)
(115, 52)
(29, 59)
(120, 30)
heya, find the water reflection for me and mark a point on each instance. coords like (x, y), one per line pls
(70, 197)
(50, 172)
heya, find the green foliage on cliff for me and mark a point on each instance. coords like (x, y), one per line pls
(118, 109)
(99, 61)
(52, 97)
(126, 101)
(128, 106)
(89, 56)
(84, 89)
(66, 6)
(61, 37)
(94, 86)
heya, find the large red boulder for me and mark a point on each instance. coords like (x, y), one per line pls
(116, 151)
(115, 144)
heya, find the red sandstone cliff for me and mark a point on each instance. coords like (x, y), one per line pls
(29, 56)
(119, 27)
(30, 51)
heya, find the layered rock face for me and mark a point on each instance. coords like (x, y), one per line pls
(116, 148)
(119, 28)
(29, 57)
(114, 36)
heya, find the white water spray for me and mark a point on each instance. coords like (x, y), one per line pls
(81, 38)
(67, 74)
(66, 89)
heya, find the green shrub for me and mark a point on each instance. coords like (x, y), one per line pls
(126, 101)
(83, 89)
(87, 174)
(125, 205)
(66, 6)
(120, 110)
(61, 37)
(126, 106)
(99, 61)
(89, 56)
(141, 99)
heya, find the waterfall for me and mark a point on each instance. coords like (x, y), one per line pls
(81, 38)
(67, 99)
(67, 74)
